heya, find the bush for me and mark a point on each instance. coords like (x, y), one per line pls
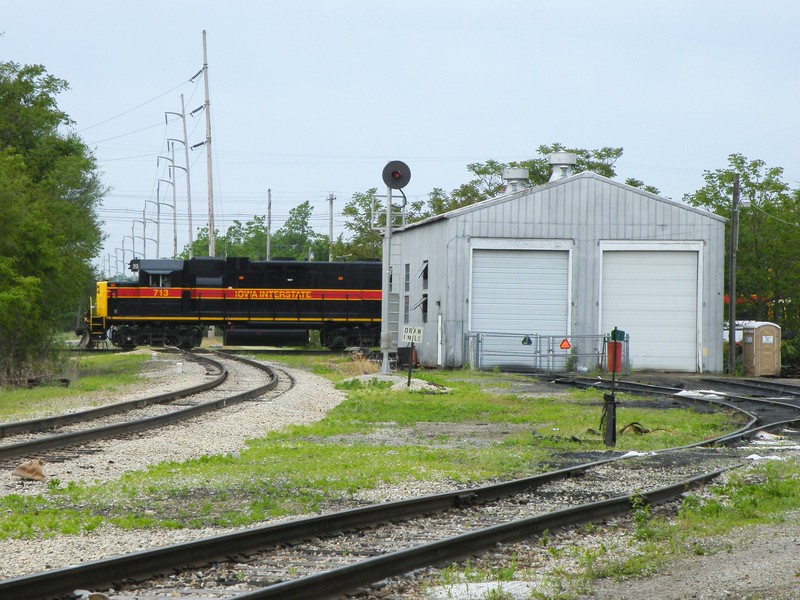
(790, 352)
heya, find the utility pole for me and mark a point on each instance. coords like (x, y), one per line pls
(185, 143)
(269, 218)
(732, 278)
(144, 237)
(211, 241)
(330, 226)
(174, 205)
(157, 202)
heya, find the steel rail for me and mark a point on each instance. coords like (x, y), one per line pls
(746, 430)
(771, 386)
(143, 564)
(118, 407)
(333, 583)
(60, 582)
(78, 437)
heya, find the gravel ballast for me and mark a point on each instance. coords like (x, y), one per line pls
(759, 562)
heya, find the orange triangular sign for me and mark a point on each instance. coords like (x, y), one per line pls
(565, 344)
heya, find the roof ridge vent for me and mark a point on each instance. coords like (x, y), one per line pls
(516, 179)
(561, 164)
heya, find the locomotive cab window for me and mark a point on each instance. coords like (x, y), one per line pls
(159, 280)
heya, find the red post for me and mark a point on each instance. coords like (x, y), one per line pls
(614, 357)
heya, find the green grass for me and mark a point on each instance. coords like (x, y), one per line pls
(95, 372)
(766, 494)
(304, 469)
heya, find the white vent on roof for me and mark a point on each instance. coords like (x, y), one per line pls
(516, 180)
(561, 164)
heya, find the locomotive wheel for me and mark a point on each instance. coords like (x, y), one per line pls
(86, 341)
(338, 344)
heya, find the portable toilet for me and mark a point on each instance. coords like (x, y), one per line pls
(761, 348)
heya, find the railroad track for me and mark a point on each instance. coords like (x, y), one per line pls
(62, 437)
(257, 557)
(765, 412)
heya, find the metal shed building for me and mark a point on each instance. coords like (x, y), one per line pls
(572, 260)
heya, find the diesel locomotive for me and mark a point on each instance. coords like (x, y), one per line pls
(266, 303)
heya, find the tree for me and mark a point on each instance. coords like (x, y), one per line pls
(488, 176)
(296, 240)
(767, 270)
(49, 230)
(638, 183)
(364, 221)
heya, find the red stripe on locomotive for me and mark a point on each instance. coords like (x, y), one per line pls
(244, 294)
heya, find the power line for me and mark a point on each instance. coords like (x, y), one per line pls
(130, 110)
(125, 134)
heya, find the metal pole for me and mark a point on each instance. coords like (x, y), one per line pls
(330, 227)
(386, 335)
(174, 207)
(133, 245)
(211, 240)
(188, 179)
(144, 237)
(610, 400)
(269, 218)
(732, 278)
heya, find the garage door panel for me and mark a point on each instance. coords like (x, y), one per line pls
(518, 291)
(652, 295)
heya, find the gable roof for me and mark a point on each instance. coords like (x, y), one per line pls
(571, 180)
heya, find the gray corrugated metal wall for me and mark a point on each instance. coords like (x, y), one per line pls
(586, 209)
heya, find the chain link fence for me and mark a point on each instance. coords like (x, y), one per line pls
(532, 352)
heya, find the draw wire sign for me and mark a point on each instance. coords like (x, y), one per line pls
(412, 335)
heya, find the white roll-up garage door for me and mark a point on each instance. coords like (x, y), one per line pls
(653, 297)
(518, 292)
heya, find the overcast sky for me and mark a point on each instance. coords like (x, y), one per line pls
(311, 97)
